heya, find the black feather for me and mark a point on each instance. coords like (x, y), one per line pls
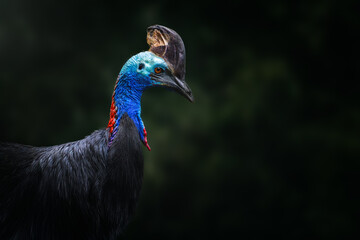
(78, 190)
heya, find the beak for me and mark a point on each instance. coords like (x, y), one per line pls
(168, 80)
(183, 89)
(166, 43)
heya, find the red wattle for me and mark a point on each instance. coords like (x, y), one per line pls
(145, 140)
(112, 116)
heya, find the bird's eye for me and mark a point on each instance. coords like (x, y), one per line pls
(141, 66)
(158, 70)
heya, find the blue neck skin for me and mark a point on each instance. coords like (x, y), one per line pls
(132, 82)
(128, 100)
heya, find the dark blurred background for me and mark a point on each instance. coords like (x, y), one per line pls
(271, 146)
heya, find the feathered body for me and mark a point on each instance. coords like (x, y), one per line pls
(87, 189)
(78, 190)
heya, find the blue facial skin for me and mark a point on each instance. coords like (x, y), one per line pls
(134, 78)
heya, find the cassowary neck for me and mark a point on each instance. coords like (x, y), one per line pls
(127, 99)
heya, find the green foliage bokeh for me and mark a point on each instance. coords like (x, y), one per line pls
(271, 145)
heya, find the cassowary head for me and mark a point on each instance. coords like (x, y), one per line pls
(163, 65)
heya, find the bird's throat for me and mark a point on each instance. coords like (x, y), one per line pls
(126, 101)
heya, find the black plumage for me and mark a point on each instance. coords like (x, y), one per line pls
(77, 190)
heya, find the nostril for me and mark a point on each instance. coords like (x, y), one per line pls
(141, 66)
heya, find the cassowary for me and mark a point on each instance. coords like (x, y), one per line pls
(88, 189)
